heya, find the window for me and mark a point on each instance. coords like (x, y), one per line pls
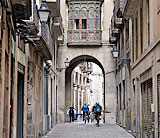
(84, 23)
(76, 18)
(97, 18)
(84, 13)
(76, 13)
(84, 16)
(91, 18)
(76, 23)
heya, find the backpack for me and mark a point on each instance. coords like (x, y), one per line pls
(98, 109)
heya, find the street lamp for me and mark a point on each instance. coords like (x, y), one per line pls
(115, 54)
(44, 13)
(66, 65)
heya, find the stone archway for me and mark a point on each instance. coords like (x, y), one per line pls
(73, 63)
(101, 56)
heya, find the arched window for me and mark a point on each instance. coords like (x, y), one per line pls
(76, 13)
(91, 18)
(84, 18)
(97, 18)
(76, 18)
(70, 14)
(84, 13)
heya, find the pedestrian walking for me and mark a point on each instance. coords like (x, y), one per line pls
(71, 112)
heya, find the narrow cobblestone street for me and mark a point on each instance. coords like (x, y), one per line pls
(80, 130)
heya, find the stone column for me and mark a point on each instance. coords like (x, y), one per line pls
(72, 89)
(67, 95)
(79, 101)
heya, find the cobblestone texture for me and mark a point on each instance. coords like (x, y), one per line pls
(81, 130)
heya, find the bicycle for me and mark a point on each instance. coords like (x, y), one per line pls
(98, 118)
(85, 117)
(92, 117)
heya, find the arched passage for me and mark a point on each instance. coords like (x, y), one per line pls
(101, 56)
(73, 63)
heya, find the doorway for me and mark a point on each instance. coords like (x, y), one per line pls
(20, 105)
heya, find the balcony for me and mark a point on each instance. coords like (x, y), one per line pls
(54, 5)
(84, 37)
(118, 8)
(57, 27)
(21, 9)
(43, 39)
(44, 42)
(129, 7)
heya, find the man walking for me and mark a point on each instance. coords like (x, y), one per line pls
(71, 111)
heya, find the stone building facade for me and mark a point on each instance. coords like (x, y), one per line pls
(140, 33)
(86, 38)
(28, 51)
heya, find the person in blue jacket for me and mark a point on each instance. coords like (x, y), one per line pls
(85, 110)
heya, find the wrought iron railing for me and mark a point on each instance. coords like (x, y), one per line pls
(81, 35)
(45, 32)
(50, 42)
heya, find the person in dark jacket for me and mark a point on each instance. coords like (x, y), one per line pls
(71, 111)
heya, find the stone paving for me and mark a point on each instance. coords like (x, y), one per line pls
(81, 130)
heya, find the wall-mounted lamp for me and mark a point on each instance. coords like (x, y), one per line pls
(115, 54)
(66, 65)
(44, 13)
